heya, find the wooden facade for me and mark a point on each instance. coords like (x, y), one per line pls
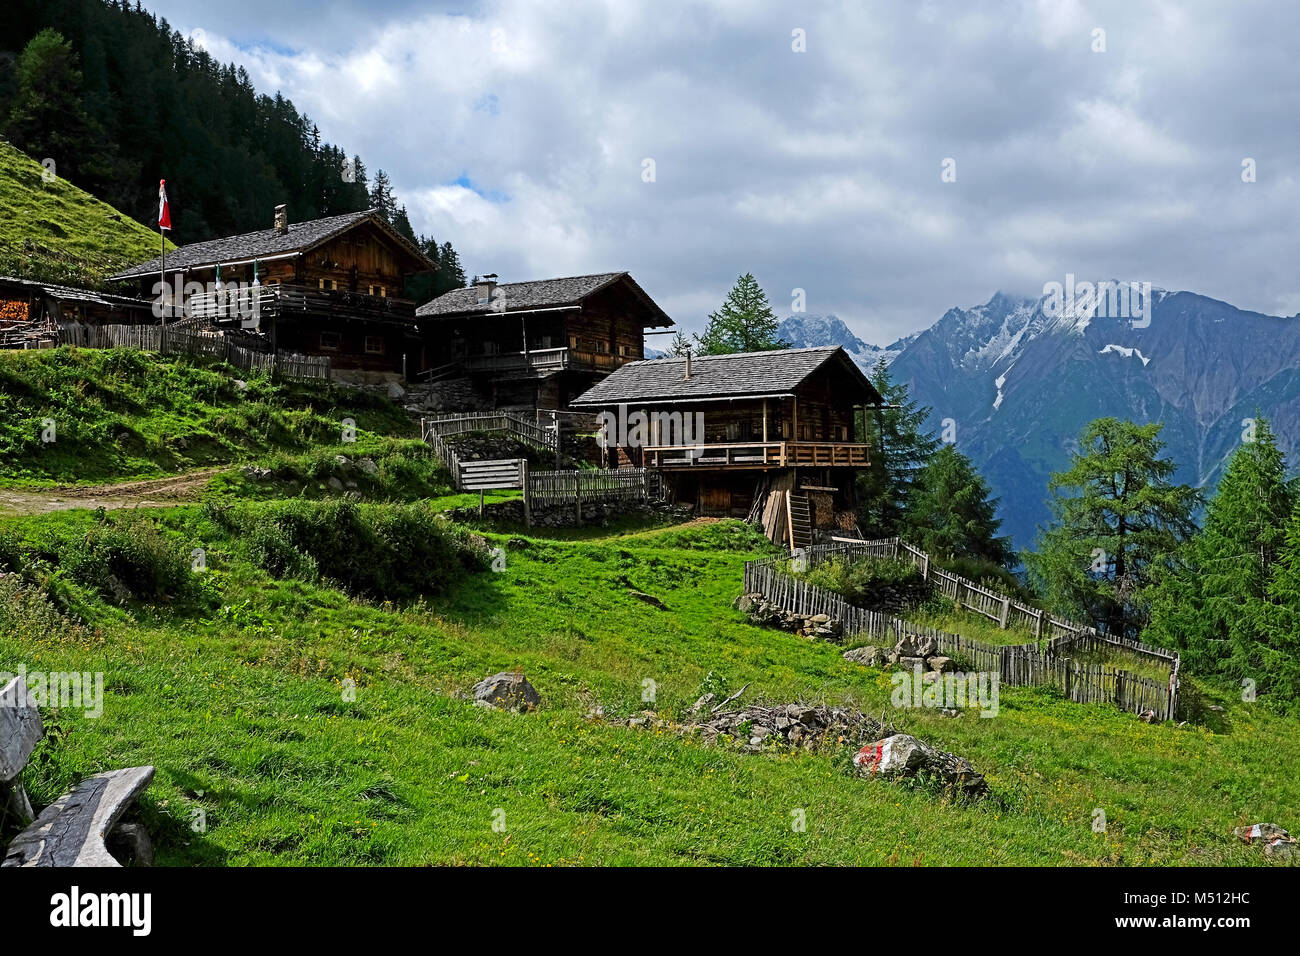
(539, 344)
(329, 287)
(751, 426)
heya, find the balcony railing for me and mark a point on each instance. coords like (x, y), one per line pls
(782, 454)
(247, 304)
(543, 360)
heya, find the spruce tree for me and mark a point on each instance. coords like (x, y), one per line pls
(1210, 602)
(901, 446)
(949, 511)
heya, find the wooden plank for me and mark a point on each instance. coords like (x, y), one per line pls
(71, 831)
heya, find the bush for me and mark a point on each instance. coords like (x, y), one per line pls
(872, 582)
(120, 557)
(390, 552)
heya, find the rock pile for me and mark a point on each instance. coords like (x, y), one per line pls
(764, 613)
(814, 727)
(1278, 844)
(908, 653)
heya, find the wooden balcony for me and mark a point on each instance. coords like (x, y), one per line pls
(543, 360)
(247, 306)
(740, 455)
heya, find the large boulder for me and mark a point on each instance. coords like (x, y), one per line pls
(941, 664)
(866, 656)
(507, 691)
(1278, 843)
(902, 755)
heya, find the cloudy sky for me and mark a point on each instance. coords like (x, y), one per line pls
(807, 143)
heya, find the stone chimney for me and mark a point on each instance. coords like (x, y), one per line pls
(484, 286)
(282, 220)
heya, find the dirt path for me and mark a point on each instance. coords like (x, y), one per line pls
(150, 493)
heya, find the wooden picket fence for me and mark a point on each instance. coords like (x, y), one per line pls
(447, 424)
(174, 341)
(1016, 665)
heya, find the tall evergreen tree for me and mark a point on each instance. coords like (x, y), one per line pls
(381, 196)
(949, 511)
(745, 323)
(47, 116)
(1278, 652)
(901, 447)
(1117, 519)
(1209, 603)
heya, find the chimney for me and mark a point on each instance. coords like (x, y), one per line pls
(484, 286)
(688, 363)
(281, 220)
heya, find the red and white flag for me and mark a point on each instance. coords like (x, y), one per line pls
(164, 214)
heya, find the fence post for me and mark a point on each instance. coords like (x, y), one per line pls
(1006, 612)
(577, 496)
(523, 477)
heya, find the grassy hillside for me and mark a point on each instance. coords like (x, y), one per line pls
(123, 414)
(55, 232)
(234, 694)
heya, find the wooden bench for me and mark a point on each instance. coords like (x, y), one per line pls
(75, 829)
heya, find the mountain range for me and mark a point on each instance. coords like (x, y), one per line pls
(1014, 381)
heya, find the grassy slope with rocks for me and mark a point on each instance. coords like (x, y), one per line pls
(55, 232)
(237, 702)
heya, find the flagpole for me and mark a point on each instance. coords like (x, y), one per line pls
(162, 240)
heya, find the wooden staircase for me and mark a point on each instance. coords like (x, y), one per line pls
(799, 516)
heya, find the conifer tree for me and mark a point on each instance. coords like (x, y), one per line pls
(1117, 519)
(901, 447)
(745, 323)
(949, 511)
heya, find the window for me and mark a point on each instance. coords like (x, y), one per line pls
(329, 285)
(330, 341)
(374, 345)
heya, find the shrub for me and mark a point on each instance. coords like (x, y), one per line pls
(390, 552)
(120, 556)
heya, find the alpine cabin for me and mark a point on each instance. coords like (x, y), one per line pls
(773, 436)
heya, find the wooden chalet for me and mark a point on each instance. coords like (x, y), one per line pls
(774, 436)
(327, 287)
(539, 343)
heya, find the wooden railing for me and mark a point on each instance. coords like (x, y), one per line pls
(778, 454)
(447, 424)
(543, 360)
(248, 303)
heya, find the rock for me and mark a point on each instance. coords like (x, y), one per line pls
(240, 384)
(867, 656)
(395, 390)
(926, 647)
(20, 728)
(368, 466)
(949, 712)
(342, 461)
(257, 474)
(507, 691)
(907, 663)
(941, 664)
(1260, 832)
(906, 646)
(335, 483)
(1147, 716)
(1281, 850)
(902, 755)
(647, 598)
(820, 619)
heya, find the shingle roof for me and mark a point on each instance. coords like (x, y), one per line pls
(538, 294)
(263, 244)
(717, 376)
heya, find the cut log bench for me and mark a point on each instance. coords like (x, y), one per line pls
(74, 830)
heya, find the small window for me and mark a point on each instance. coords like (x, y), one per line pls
(374, 345)
(383, 292)
(329, 285)
(330, 341)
